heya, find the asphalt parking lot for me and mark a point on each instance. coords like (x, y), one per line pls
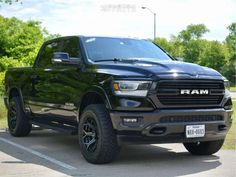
(49, 153)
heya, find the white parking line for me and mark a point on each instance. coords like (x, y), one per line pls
(57, 162)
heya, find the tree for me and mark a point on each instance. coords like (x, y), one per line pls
(20, 40)
(213, 55)
(165, 44)
(191, 43)
(19, 43)
(177, 46)
(193, 32)
(8, 1)
(231, 40)
(229, 69)
(188, 44)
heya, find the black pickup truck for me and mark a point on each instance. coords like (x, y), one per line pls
(112, 91)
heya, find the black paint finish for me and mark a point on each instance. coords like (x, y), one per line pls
(57, 90)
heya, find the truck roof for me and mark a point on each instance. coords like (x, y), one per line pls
(95, 36)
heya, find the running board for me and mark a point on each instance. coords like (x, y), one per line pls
(68, 129)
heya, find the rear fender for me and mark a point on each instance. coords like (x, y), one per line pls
(19, 93)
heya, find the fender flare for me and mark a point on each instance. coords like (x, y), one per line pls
(20, 96)
(98, 90)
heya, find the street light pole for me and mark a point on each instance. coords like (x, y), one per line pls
(154, 26)
(154, 14)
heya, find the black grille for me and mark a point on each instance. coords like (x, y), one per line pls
(168, 93)
(195, 118)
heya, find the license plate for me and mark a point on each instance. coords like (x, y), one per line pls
(195, 131)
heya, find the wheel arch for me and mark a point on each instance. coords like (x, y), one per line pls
(94, 95)
(16, 92)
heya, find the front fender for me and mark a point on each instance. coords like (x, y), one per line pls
(100, 91)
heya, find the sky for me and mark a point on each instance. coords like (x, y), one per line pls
(126, 18)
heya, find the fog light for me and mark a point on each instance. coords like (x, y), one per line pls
(130, 120)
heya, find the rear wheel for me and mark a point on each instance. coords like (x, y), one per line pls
(18, 123)
(96, 135)
(204, 148)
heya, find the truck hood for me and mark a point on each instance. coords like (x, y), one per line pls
(157, 69)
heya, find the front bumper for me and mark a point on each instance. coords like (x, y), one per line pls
(168, 125)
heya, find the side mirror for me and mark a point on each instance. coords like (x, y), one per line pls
(64, 58)
(60, 57)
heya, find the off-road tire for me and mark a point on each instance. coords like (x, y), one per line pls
(106, 148)
(21, 125)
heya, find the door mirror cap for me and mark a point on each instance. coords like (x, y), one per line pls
(64, 59)
(60, 57)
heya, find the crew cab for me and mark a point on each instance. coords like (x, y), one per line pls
(112, 91)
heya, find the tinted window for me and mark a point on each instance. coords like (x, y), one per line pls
(104, 48)
(71, 46)
(47, 54)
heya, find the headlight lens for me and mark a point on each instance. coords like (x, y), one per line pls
(227, 84)
(131, 88)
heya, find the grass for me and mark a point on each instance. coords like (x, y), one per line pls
(3, 114)
(230, 142)
(233, 89)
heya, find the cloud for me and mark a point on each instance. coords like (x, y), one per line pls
(28, 11)
(87, 16)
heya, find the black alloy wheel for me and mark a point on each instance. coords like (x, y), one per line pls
(97, 138)
(18, 122)
(90, 134)
(12, 115)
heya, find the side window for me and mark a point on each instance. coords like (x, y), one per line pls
(71, 46)
(47, 54)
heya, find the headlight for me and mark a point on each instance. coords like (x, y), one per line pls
(131, 88)
(227, 84)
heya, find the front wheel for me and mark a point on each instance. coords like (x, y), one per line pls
(97, 138)
(204, 148)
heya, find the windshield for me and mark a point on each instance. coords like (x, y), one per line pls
(105, 48)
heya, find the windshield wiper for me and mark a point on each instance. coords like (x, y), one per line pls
(119, 60)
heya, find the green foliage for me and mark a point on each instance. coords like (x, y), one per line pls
(230, 68)
(188, 44)
(230, 141)
(192, 50)
(19, 43)
(164, 43)
(20, 40)
(3, 115)
(213, 55)
(8, 1)
(193, 32)
(231, 40)
(6, 62)
(2, 76)
(48, 36)
(177, 47)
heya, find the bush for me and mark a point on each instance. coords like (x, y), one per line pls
(2, 76)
